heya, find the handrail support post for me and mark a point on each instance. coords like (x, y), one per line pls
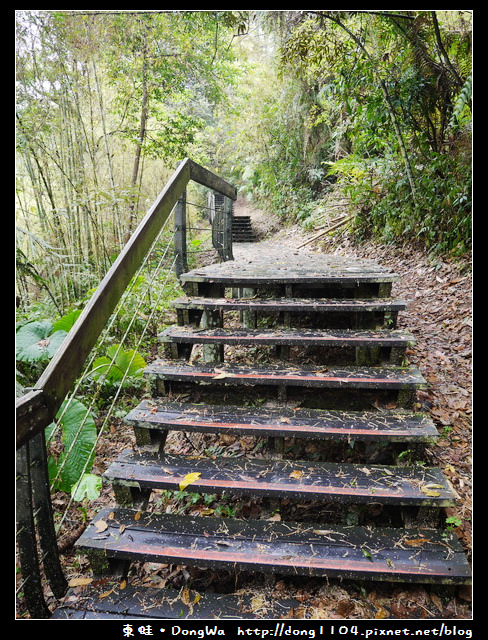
(181, 256)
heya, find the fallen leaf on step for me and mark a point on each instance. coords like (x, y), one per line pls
(185, 596)
(416, 542)
(428, 490)
(275, 518)
(188, 479)
(101, 525)
(257, 603)
(296, 474)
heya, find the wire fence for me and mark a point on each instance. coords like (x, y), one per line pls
(153, 275)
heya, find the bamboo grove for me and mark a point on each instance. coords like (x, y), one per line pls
(107, 103)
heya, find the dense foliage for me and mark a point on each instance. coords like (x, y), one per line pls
(376, 103)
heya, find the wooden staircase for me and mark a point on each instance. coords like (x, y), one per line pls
(303, 353)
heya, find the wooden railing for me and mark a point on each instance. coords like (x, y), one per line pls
(38, 407)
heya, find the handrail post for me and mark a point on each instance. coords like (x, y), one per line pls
(228, 213)
(181, 256)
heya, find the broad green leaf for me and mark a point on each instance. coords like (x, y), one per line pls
(88, 487)
(125, 364)
(36, 342)
(66, 322)
(77, 428)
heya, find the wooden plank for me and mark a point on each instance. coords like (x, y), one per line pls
(346, 377)
(293, 479)
(405, 555)
(289, 268)
(301, 337)
(268, 305)
(32, 416)
(138, 602)
(300, 423)
(210, 180)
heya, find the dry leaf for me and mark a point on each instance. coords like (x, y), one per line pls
(257, 603)
(138, 515)
(188, 479)
(427, 489)
(416, 542)
(185, 596)
(275, 518)
(296, 474)
(222, 375)
(323, 532)
(79, 582)
(101, 525)
(123, 585)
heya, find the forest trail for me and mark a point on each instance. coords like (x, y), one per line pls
(279, 257)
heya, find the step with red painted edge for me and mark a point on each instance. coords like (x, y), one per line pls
(295, 479)
(400, 426)
(344, 377)
(398, 555)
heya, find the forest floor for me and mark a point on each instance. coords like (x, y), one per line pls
(439, 314)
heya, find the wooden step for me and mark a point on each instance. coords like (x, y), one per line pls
(291, 268)
(279, 548)
(292, 479)
(401, 378)
(297, 305)
(108, 600)
(301, 337)
(300, 423)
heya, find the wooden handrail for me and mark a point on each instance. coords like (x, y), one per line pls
(37, 409)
